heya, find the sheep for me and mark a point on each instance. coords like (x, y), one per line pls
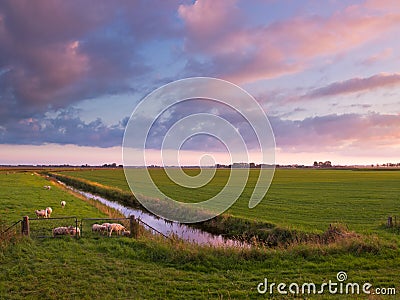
(118, 228)
(63, 203)
(49, 211)
(70, 230)
(126, 233)
(106, 225)
(47, 187)
(74, 231)
(99, 228)
(96, 227)
(60, 231)
(41, 213)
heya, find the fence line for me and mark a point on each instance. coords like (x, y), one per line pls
(26, 224)
(133, 223)
(152, 228)
(15, 224)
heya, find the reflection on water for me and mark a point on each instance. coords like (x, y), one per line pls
(166, 227)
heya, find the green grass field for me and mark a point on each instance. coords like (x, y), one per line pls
(23, 193)
(305, 199)
(155, 268)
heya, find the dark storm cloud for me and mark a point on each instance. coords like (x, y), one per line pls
(64, 128)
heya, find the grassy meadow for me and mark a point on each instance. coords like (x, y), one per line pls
(158, 268)
(305, 199)
(23, 192)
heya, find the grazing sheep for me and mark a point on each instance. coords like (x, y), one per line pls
(47, 187)
(71, 230)
(118, 228)
(99, 228)
(60, 231)
(41, 213)
(49, 211)
(63, 203)
(74, 231)
(106, 225)
(126, 233)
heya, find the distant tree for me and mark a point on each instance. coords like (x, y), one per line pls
(315, 164)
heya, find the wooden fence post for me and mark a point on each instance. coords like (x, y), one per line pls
(390, 222)
(134, 226)
(25, 226)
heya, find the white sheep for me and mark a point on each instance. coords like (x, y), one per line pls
(118, 228)
(41, 213)
(49, 211)
(106, 225)
(60, 231)
(74, 230)
(99, 228)
(47, 187)
(71, 230)
(63, 203)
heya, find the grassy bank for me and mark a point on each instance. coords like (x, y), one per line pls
(151, 269)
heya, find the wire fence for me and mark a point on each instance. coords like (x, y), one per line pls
(85, 227)
(10, 228)
(152, 229)
(45, 227)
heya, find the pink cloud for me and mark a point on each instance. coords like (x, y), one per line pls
(207, 20)
(392, 5)
(55, 53)
(378, 57)
(337, 133)
(355, 85)
(244, 54)
(43, 74)
(40, 46)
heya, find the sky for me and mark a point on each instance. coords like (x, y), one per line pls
(326, 73)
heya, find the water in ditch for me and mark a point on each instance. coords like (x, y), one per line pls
(167, 228)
